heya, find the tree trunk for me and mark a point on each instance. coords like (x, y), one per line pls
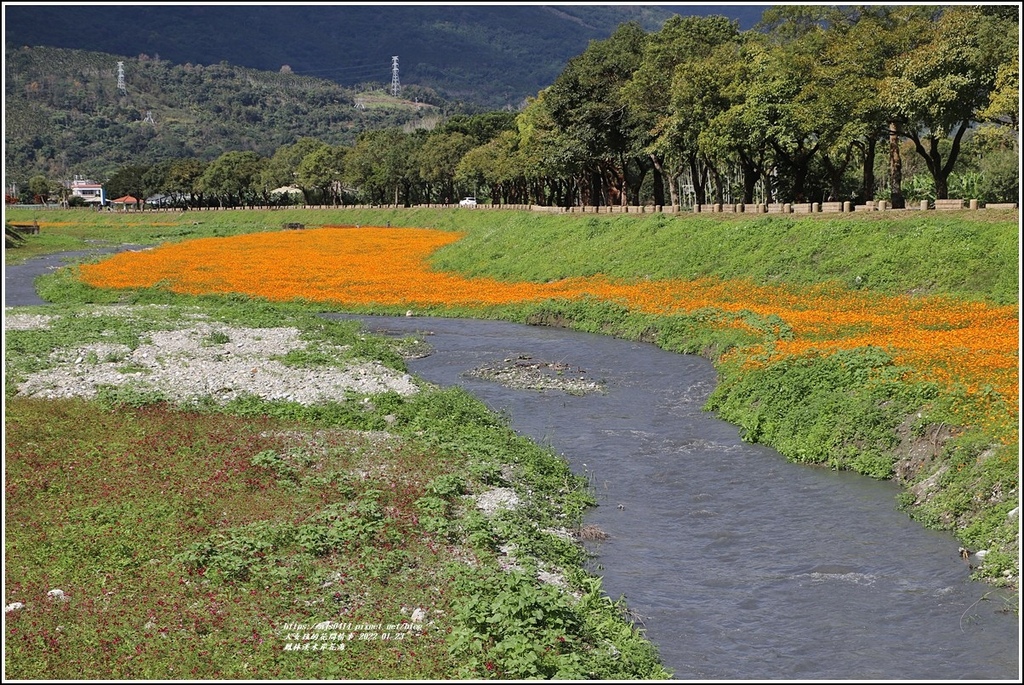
(716, 178)
(868, 180)
(933, 158)
(954, 153)
(621, 176)
(834, 178)
(895, 168)
(659, 181)
(697, 175)
(800, 181)
(750, 175)
(799, 162)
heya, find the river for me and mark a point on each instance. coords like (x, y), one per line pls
(741, 565)
(19, 279)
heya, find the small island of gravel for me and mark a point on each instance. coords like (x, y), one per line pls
(525, 373)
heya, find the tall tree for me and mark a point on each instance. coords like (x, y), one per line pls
(478, 168)
(40, 188)
(940, 88)
(851, 66)
(663, 123)
(282, 168)
(155, 178)
(182, 181)
(233, 178)
(586, 103)
(864, 45)
(382, 165)
(438, 159)
(733, 129)
(321, 172)
(548, 162)
(794, 109)
(128, 180)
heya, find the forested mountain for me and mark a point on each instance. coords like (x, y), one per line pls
(489, 55)
(201, 80)
(900, 103)
(66, 115)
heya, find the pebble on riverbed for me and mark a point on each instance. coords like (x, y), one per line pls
(525, 374)
(497, 498)
(207, 360)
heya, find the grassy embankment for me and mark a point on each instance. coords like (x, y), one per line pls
(953, 445)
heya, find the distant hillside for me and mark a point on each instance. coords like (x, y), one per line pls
(490, 55)
(65, 115)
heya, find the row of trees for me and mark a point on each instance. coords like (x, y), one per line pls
(383, 167)
(790, 110)
(818, 103)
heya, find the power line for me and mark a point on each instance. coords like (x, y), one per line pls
(361, 68)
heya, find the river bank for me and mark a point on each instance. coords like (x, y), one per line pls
(894, 339)
(510, 515)
(282, 488)
(951, 440)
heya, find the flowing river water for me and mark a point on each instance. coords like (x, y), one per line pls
(741, 565)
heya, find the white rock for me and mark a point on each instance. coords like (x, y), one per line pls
(248, 370)
(497, 498)
(57, 595)
(13, 606)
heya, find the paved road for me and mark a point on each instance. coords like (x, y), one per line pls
(19, 279)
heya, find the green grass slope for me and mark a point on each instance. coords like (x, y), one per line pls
(969, 255)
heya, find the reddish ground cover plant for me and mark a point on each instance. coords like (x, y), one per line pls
(185, 546)
(969, 344)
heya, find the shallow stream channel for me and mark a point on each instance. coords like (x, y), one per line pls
(739, 564)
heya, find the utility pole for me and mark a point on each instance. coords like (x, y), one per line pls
(120, 78)
(396, 87)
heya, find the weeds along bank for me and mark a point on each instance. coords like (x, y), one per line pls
(883, 343)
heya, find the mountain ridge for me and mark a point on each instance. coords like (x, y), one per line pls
(65, 115)
(491, 56)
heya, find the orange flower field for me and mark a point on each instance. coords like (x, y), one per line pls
(945, 340)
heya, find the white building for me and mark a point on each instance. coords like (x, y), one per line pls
(90, 191)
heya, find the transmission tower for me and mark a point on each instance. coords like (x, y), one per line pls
(396, 87)
(120, 78)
